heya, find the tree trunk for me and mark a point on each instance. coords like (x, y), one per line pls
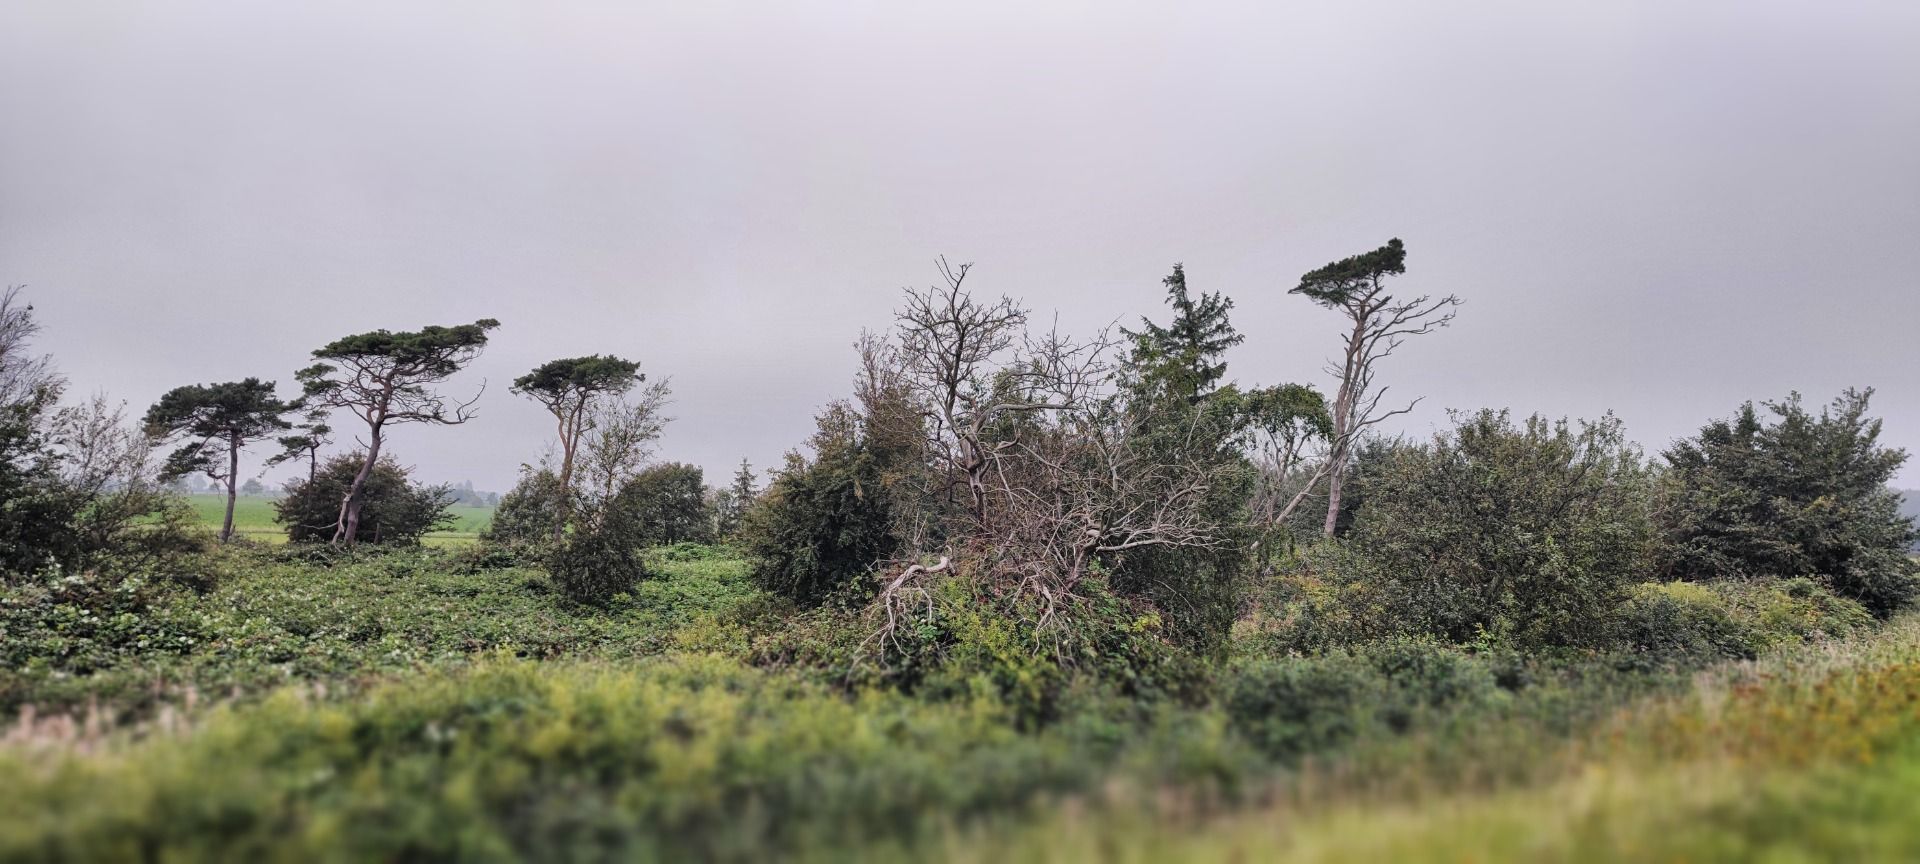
(348, 528)
(1342, 418)
(233, 470)
(569, 442)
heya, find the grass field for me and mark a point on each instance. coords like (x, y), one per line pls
(253, 518)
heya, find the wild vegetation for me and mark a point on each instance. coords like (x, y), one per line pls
(1022, 595)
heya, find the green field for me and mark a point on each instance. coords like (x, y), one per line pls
(253, 519)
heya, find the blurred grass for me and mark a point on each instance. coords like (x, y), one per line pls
(1813, 755)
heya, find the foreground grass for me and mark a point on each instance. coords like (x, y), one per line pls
(1809, 756)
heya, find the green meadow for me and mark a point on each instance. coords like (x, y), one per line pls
(253, 518)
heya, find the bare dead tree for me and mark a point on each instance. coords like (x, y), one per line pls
(1033, 428)
(952, 349)
(26, 379)
(1357, 288)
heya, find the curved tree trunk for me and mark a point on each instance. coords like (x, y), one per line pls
(348, 527)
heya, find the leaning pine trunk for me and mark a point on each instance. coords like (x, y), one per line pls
(347, 529)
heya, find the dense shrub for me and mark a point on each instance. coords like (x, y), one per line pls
(529, 513)
(396, 511)
(1292, 706)
(1793, 495)
(1689, 623)
(964, 641)
(821, 524)
(694, 759)
(1528, 533)
(663, 504)
(593, 566)
(76, 624)
(1678, 622)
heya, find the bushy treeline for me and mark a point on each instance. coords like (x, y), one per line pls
(996, 504)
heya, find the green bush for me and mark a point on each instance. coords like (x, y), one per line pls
(1793, 494)
(396, 512)
(529, 512)
(821, 525)
(593, 566)
(1681, 623)
(695, 759)
(1690, 623)
(1293, 706)
(1530, 533)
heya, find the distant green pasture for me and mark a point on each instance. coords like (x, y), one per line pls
(253, 518)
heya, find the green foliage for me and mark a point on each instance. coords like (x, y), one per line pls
(405, 359)
(215, 422)
(36, 519)
(573, 382)
(1528, 533)
(595, 565)
(1186, 354)
(1179, 415)
(328, 615)
(1338, 283)
(1680, 622)
(1690, 623)
(1290, 707)
(530, 512)
(661, 505)
(1797, 495)
(395, 510)
(821, 524)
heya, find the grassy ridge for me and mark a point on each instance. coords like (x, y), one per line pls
(253, 517)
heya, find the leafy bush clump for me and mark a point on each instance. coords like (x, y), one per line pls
(1291, 707)
(76, 624)
(693, 759)
(821, 525)
(961, 641)
(1687, 623)
(1792, 495)
(595, 565)
(396, 511)
(1678, 622)
(1530, 533)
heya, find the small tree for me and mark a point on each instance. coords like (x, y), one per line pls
(620, 441)
(305, 444)
(216, 421)
(1356, 287)
(1187, 355)
(385, 378)
(570, 390)
(394, 511)
(822, 523)
(732, 502)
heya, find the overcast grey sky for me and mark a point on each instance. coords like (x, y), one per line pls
(1659, 208)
